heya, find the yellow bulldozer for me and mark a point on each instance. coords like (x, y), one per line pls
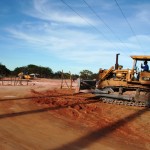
(22, 75)
(122, 86)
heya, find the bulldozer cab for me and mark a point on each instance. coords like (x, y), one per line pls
(141, 69)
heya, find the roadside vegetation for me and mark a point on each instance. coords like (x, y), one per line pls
(44, 72)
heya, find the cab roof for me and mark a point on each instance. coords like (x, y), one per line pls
(141, 57)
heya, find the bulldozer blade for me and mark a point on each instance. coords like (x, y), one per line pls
(86, 84)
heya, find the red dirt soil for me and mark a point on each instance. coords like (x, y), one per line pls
(129, 123)
(40, 117)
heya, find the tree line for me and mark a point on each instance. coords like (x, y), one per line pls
(44, 72)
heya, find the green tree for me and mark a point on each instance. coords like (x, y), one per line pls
(66, 75)
(75, 76)
(44, 72)
(33, 68)
(57, 75)
(18, 70)
(86, 74)
(94, 76)
(4, 71)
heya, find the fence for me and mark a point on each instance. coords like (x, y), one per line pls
(64, 83)
(13, 81)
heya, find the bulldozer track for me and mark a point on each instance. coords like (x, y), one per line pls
(122, 102)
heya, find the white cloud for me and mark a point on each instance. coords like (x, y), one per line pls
(52, 12)
(56, 32)
(73, 46)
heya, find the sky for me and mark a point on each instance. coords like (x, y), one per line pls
(73, 35)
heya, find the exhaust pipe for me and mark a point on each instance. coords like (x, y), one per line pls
(116, 65)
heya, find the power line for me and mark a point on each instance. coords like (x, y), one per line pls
(127, 22)
(108, 27)
(86, 21)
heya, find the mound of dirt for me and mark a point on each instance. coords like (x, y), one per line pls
(131, 123)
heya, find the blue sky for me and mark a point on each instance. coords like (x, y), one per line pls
(68, 35)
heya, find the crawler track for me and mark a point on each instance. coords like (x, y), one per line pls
(123, 102)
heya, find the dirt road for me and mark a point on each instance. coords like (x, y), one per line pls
(43, 118)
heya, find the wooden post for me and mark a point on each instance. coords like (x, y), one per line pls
(2, 82)
(61, 79)
(20, 81)
(11, 80)
(14, 81)
(17, 80)
(70, 80)
(66, 83)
